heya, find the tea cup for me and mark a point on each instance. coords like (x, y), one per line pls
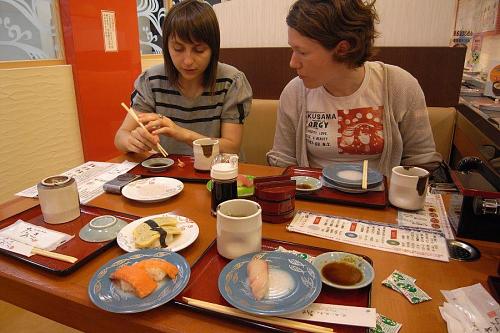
(408, 187)
(204, 151)
(239, 228)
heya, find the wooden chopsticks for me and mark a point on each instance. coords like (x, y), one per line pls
(269, 320)
(364, 180)
(132, 113)
(54, 255)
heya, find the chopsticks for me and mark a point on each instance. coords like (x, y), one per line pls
(132, 113)
(54, 255)
(364, 180)
(269, 320)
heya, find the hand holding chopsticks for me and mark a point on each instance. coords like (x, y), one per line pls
(269, 320)
(131, 112)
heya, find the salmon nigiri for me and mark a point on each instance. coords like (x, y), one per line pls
(134, 279)
(258, 278)
(157, 269)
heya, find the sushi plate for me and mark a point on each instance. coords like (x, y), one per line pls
(294, 283)
(350, 175)
(190, 232)
(107, 296)
(154, 189)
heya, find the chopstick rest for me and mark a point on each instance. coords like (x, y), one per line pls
(269, 320)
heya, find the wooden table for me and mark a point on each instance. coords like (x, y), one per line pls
(65, 299)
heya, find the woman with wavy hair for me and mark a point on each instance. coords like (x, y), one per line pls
(341, 106)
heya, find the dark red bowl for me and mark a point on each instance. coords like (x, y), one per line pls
(278, 218)
(276, 207)
(275, 191)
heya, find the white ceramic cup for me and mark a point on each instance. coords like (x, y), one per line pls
(204, 151)
(239, 228)
(408, 187)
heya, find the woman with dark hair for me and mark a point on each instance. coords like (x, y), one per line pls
(191, 95)
(342, 107)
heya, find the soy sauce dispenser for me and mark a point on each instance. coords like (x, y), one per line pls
(224, 174)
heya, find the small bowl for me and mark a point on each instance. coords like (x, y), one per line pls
(157, 164)
(307, 184)
(364, 266)
(101, 229)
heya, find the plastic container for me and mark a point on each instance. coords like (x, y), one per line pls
(224, 174)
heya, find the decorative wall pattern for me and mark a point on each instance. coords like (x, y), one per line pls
(28, 30)
(151, 14)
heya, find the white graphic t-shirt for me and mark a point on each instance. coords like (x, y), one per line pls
(348, 128)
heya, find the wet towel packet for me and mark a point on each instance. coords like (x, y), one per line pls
(385, 325)
(406, 286)
(388, 282)
(34, 235)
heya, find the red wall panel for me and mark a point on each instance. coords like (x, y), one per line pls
(102, 79)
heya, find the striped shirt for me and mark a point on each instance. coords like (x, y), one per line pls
(203, 114)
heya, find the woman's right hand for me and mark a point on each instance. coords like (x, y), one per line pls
(140, 140)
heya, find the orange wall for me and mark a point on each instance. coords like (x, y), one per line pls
(102, 79)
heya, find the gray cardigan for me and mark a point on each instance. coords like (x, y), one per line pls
(408, 137)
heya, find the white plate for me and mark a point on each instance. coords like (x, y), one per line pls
(189, 233)
(314, 183)
(154, 189)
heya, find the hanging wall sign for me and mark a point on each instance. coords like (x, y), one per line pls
(109, 31)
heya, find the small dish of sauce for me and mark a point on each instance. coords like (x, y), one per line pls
(157, 164)
(342, 273)
(343, 270)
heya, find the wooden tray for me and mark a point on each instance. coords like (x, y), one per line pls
(373, 199)
(205, 274)
(75, 247)
(187, 173)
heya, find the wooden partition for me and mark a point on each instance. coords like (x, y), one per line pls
(438, 69)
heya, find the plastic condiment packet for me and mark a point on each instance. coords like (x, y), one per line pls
(302, 255)
(407, 287)
(385, 325)
(388, 282)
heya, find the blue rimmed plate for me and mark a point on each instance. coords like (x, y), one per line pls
(104, 293)
(294, 283)
(350, 175)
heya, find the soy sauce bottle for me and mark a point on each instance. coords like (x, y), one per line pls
(224, 174)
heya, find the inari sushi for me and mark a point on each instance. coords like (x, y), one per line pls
(258, 278)
(134, 279)
(157, 269)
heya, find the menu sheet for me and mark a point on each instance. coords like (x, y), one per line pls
(386, 237)
(89, 177)
(433, 216)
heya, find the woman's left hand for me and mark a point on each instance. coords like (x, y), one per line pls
(159, 124)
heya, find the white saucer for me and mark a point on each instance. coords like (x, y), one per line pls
(154, 189)
(314, 183)
(190, 232)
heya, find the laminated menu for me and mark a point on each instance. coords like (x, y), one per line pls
(385, 237)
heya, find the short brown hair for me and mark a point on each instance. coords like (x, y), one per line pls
(332, 21)
(192, 21)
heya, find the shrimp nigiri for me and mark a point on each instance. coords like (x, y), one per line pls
(157, 269)
(134, 279)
